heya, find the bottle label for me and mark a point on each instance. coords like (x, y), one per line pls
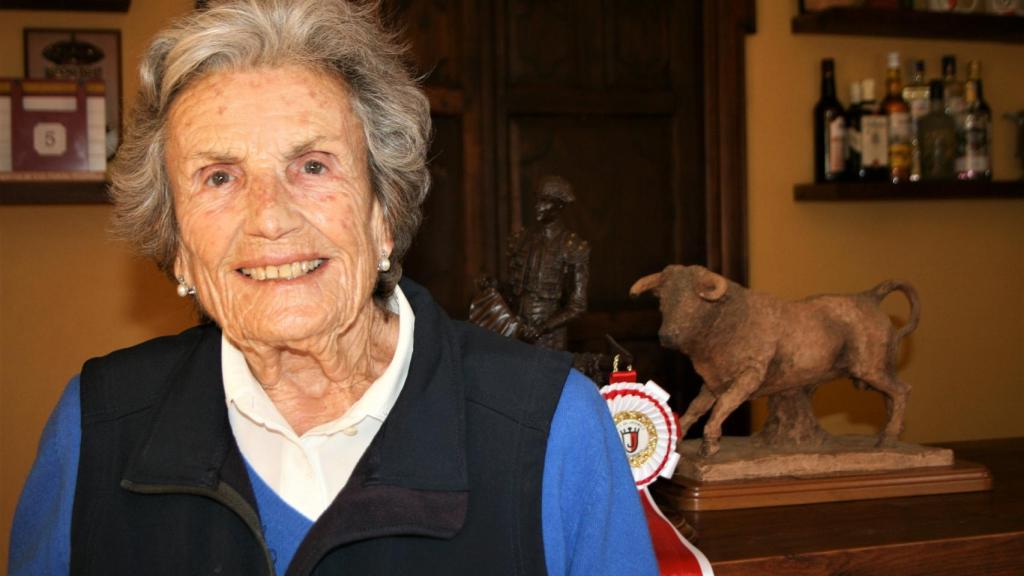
(836, 145)
(955, 105)
(899, 142)
(918, 108)
(853, 140)
(874, 141)
(976, 157)
(938, 153)
(899, 128)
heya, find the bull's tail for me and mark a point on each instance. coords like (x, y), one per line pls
(889, 286)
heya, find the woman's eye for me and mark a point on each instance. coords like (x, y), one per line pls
(218, 178)
(314, 167)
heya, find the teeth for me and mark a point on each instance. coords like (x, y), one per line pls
(284, 271)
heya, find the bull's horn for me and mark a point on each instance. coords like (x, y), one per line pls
(649, 282)
(712, 286)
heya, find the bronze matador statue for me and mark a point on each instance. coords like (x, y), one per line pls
(546, 284)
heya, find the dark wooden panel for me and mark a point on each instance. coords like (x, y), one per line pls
(620, 169)
(434, 29)
(547, 44)
(567, 43)
(437, 254)
(689, 128)
(638, 52)
(726, 25)
(532, 100)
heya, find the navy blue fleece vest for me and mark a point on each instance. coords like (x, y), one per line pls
(450, 485)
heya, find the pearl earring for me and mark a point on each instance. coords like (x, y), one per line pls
(384, 263)
(185, 289)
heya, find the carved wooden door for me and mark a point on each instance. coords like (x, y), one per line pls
(609, 94)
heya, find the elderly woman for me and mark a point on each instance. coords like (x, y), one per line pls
(329, 420)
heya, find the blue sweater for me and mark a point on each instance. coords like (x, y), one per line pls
(591, 517)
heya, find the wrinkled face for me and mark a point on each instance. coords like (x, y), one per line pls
(280, 232)
(547, 210)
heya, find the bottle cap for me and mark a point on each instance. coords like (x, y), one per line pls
(949, 65)
(855, 95)
(828, 65)
(867, 89)
(894, 59)
(919, 66)
(974, 70)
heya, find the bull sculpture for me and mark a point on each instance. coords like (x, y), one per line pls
(747, 344)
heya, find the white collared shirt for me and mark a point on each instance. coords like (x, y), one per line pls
(308, 471)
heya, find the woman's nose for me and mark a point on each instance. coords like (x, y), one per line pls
(272, 213)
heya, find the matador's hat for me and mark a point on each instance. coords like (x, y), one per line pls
(555, 188)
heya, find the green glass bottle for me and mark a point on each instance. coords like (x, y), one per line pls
(937, 137)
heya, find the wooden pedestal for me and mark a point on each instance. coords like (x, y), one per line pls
(688, 495)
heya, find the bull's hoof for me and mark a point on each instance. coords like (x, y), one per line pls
(886, 441)
(708, 448)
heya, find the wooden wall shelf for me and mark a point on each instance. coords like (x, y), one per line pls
(90, 5)
(53, 188)
(843, 191)
(911, 24)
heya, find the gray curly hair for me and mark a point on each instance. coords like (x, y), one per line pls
(342, 39)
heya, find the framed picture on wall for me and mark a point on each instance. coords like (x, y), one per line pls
(69, 54)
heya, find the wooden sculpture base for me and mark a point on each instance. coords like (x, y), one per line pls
(846, 468)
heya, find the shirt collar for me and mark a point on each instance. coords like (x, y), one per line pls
(245, 394)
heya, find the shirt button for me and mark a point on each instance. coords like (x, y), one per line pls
(350, 431)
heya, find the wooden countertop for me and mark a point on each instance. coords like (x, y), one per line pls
(970, 533)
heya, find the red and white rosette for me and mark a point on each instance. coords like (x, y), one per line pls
(646, 427)
(648, 432)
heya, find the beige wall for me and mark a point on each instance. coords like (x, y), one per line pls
(966, 257)
(67, 292)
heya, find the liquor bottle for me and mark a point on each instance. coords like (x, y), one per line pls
(829, 129)
(937, 133)
(916, 96)
(977, 132)
(897, 114)
(853, 136)
(874, 136)
(953, 89)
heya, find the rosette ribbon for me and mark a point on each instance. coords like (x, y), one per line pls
(648, 432)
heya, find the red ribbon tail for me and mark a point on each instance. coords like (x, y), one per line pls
(676, 556)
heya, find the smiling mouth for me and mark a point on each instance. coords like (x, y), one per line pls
(288, 271)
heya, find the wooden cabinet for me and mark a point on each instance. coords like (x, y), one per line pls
(977, 533)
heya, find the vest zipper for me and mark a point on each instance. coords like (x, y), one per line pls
(225, 495)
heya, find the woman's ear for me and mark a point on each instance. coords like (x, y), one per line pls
(181, 266)
(381, 230)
